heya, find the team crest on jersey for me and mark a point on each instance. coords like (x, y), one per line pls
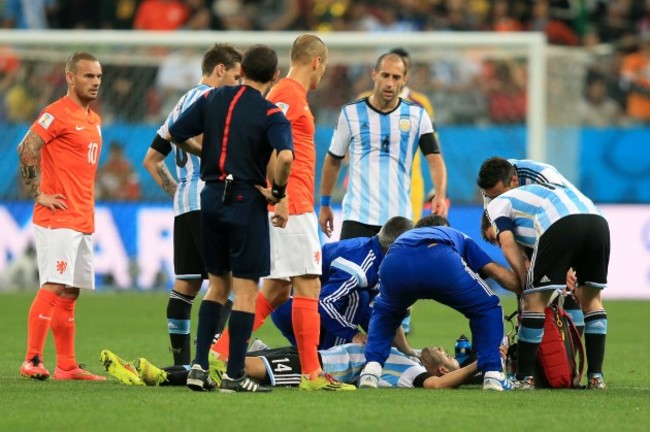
(283, 106)
(61, 266)
(404, 124)
(46, 120)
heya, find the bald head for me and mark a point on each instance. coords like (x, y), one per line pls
(307, 47)
(391, 57)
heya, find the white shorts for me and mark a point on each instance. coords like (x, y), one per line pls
(65, 257)
(295, 249)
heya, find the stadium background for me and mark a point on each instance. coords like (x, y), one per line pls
(596, 115)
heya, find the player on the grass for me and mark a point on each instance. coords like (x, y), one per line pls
(142, 372)
(432, 369)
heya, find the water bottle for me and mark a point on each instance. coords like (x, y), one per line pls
(462, 349)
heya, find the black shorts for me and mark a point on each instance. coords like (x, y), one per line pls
(578, 241)
(282, 365)
(236, 235)
(188, 248)
(354, 229)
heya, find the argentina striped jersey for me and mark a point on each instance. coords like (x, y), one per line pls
(188, 194)
(532, 172)
(382, 147)
(528, 211)
(345, 362)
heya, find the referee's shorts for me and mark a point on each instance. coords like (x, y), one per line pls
(235, 235)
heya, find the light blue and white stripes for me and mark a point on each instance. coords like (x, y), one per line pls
(345, 362)
(382, 147)
(534, 208)
(532, 172)
(188, 194)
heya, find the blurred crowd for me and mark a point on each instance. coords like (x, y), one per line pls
(614, 33)
(565, 21)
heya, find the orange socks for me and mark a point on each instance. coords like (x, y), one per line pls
(223, 345)
(306, 328)
(63, 329)
(47, 310)
(262, 310)
(38, 322)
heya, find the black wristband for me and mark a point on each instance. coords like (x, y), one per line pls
(278, 191)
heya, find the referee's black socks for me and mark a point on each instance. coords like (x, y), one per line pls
(240, 328)
(209, 315)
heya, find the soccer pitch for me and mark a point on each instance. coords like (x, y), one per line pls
(133, 325)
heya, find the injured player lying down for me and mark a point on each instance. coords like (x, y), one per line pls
(433, 368)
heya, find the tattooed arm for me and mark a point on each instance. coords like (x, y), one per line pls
(29, 153)
(154, 162)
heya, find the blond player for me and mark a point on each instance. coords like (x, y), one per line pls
(58, 162)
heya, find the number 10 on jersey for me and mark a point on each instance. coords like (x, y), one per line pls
(93, 149)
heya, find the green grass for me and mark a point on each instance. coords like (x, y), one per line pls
(134, 325)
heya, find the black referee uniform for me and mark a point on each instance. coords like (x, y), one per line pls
(240, 131)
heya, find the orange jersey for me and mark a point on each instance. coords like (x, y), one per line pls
(157, 15)
(73, 142)
(291, 98)
(635, 67)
